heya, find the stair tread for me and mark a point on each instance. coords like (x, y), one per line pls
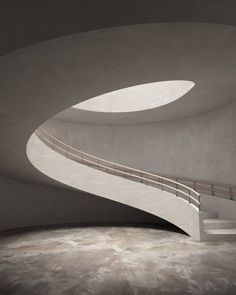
(226, 231)
(208, 214)
(217, 220)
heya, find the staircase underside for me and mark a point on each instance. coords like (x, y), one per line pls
(155, 201)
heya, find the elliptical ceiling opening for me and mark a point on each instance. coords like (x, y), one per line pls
(137, 98)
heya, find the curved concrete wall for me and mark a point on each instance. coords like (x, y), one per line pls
(40, 81)
(201, 147)
(25, 204)
(161, 203)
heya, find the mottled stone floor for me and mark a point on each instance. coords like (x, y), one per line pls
(114, 261)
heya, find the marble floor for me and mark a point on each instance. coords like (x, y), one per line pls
(114, 261)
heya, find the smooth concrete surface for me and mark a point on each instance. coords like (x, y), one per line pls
(25, 204)
(24, 23)
(138, 195)
(225, 209)
(114, 261)
(219, 224)
(39, 81)
(201, 147)
(193, 51)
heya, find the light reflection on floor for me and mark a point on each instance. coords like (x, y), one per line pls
(114, 260)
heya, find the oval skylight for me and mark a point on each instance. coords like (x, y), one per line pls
(137, 98)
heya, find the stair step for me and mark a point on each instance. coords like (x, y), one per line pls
(219, 224)
(209, 215)
(221, 231)
(220, 234)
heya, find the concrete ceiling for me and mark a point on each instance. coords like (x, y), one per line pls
(26, 22)
(40, 81)
(202, 53)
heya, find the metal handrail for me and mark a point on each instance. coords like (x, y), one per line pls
(112, 163)
(214, 189)
(179, 189)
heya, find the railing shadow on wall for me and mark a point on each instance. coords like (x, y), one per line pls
(166, 184)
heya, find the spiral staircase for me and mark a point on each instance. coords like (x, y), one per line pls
(164, 197)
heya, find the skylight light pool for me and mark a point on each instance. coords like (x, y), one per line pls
(137, 98)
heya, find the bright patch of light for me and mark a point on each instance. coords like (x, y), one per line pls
(137, 98)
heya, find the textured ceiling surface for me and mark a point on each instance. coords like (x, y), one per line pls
(41, 80)
(127, 56)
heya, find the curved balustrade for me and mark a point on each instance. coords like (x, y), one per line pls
(214, 189)
(163, 183)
